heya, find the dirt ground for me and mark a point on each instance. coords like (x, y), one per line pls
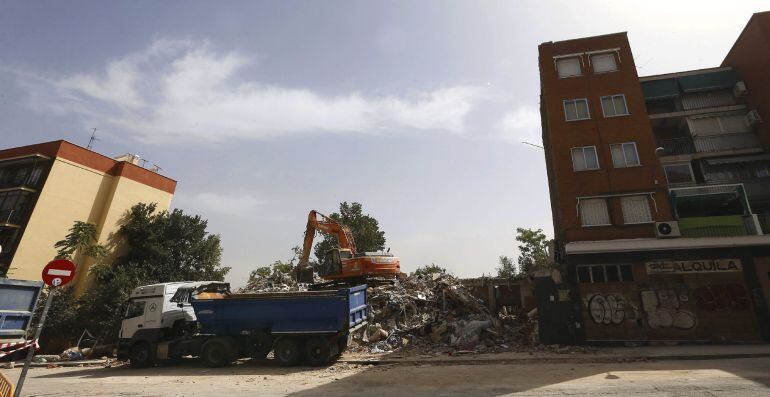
(737, 377)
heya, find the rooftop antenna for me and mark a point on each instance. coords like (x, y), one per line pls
(92, 140)
(156, 168)
(532, 144)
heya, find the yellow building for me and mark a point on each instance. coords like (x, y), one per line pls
(45, 188)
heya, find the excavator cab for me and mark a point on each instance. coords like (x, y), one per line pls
(332, 261)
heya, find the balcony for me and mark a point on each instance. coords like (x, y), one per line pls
(709, 143)
(764, 222)
(714, 226)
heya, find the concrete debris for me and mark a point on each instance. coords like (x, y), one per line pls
(435, 314)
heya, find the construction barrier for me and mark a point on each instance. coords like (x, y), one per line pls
(6, 387)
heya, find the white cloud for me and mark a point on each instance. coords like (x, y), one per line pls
(212, 202)
(184, 91)
(522, 124)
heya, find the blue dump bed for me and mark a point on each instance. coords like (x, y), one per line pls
(311, 312)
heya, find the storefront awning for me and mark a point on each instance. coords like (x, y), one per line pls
(708, 81)
(657, 89)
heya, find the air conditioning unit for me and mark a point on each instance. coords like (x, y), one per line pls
(667, 229)
(739, 90)
(753, 118)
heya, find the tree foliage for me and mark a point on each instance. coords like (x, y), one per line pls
(80, 241)
(533, 254)
(366, 230)
(278, 270)
(160, 246)
(533, 250)
(427, 270)
(507, 268)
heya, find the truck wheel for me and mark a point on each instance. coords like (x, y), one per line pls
(141, 355)
(317, 351)
(217, 352)
(287, 351)
(260, 343)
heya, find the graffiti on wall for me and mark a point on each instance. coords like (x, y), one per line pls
(607, 308)
(662, 309)
(724, 297)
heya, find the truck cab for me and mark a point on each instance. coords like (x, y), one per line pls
(152, 316)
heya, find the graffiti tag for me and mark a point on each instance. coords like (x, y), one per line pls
(607, 309)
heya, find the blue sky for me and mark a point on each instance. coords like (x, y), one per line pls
(265, 110)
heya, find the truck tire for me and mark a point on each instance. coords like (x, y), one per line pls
(260, 345)
(141, 355)
(287, 351)
(317, 351)
(218, 352)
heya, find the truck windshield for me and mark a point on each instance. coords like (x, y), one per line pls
(135, 309)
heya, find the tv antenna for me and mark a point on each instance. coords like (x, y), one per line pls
(92, 140)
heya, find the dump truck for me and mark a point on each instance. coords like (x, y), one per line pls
(204, 319)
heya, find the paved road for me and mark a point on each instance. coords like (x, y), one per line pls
(739, 377)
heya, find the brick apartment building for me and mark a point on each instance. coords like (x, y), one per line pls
(660, 192)
(45, 188)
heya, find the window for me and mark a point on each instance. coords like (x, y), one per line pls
(135, 309)
(603, 63)
(576, 109)
(568, 67)
(614, 105)
(605, 273)
(636, 209)
(624, 155)
(593, 212)
(679, 173)
(584, 158)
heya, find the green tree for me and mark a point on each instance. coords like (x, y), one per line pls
(366, 230)
(63, 317)
(507, 268)
(161, 247)
(533, 250)
(427, 270)
(81, 240)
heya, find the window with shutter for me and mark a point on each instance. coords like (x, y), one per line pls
(603, 63)
(593, 212)
(568, 67)
(636, 209)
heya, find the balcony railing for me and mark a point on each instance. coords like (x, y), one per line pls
(709, 143)
(713, 226)
(764, 222)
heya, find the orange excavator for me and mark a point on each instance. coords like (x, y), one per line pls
(343, 264)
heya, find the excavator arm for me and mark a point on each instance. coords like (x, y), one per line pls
(318, 221)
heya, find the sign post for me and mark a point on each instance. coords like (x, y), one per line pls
(56, 273)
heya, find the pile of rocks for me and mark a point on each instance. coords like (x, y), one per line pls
(436, 313)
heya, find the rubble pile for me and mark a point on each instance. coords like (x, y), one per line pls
(435, 313)
(275, 282)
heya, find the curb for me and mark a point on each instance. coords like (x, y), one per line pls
(558, 360)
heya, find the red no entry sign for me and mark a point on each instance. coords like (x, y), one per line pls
(58, 272)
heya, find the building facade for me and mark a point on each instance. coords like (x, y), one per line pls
(660, 191)
(45, 188)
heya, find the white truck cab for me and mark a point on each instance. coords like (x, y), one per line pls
(155, 316)
(150, 307)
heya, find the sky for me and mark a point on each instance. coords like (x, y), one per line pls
(264, 110)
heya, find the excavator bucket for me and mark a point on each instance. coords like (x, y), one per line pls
(305, 275)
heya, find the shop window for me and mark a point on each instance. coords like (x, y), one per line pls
(605, 273)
